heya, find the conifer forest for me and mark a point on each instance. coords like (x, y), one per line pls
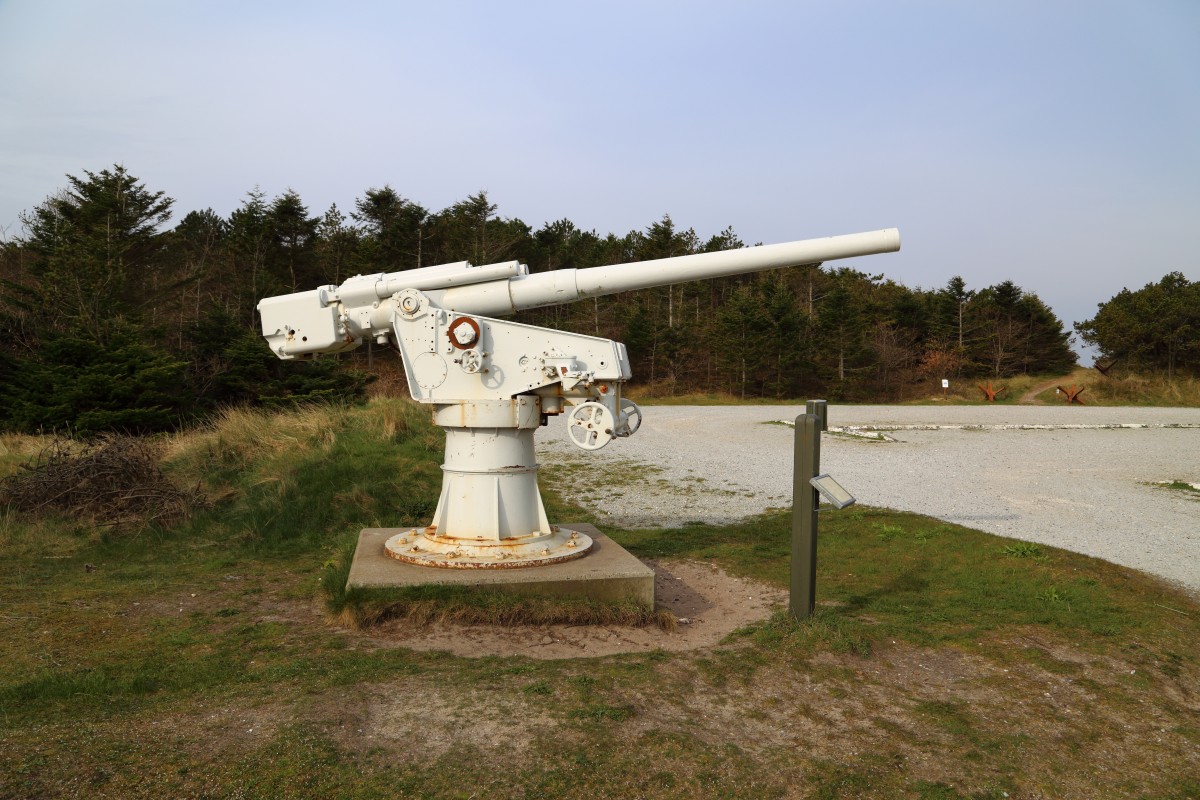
(119, 311)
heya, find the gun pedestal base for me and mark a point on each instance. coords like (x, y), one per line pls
(608, 574)
(489, 485)
(490, 514)
(425, 547)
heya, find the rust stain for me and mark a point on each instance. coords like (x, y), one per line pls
(511, 564)
(458, 323)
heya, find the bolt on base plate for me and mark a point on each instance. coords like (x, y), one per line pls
(425, 547)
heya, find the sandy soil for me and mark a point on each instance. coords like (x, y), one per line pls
(708, 604)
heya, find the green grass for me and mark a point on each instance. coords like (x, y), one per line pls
(202, 661)
(928, 582)
(1182, 486)
(1024, 550)
(311, 476)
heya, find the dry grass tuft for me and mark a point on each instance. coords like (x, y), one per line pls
(1130, 389)
(16, 449)
(394, 419)
(242, 435)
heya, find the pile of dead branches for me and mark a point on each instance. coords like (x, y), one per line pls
(114, 481)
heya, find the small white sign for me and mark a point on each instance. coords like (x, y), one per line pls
(945, 383)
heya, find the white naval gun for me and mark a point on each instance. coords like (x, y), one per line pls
(492, 382)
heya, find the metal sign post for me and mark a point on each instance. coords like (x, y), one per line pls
(806, 466)
(809, 484)
(820, 410)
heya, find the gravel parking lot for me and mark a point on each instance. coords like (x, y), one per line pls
(1067, 478)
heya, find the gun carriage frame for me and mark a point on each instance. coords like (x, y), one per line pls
(492, 382)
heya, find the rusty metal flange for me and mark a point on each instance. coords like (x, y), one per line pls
(426, 547)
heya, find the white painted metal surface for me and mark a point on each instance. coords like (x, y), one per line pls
(493, 382)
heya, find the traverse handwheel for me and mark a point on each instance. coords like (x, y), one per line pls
(630, 419)
(590, 425)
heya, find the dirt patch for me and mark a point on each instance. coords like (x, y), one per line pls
(708, 603)
(1031, 396)
(445, 719)
(912, 706)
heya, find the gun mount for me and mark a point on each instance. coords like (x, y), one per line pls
(492, 382)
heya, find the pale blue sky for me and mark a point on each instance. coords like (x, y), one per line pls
(1056, 144)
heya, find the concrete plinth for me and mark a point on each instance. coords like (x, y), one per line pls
(607, 573)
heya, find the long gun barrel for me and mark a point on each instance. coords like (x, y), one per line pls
(568, 285)
(336, 318)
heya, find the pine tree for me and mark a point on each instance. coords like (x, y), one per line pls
(393, 231)
(336, 246)
(96, 247)
(1157, 327)
(292, 236)
(249, 241)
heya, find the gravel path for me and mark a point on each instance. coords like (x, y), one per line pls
(1087, 489)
